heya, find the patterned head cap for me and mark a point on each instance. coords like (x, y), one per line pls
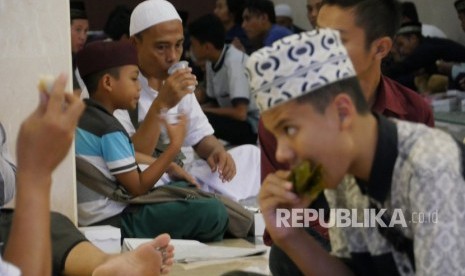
(297, 65)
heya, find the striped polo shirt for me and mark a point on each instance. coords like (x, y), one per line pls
(102, 141)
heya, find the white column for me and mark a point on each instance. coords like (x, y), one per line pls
(35, 40)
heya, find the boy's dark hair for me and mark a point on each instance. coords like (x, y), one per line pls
(236, 7)
(117, 23)
(460, 6)
(377, 17)
(262, 7)
(91, 81)
(77, 10)
(409, 10)
(208, 28)
(321, 97)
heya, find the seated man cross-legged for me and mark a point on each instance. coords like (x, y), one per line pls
(156, 31)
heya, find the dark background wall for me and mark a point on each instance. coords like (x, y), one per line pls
(98, 11)
(439, 13)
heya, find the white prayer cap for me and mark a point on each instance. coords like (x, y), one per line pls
(296, 65)
(151, 12)
(283, 10)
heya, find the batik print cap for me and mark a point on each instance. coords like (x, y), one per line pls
(296, 65)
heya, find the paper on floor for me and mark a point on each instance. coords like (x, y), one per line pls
(190, 251)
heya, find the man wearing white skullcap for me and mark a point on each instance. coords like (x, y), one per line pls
(284, 18)
(306, 88)
(156, 31)
(150, 13)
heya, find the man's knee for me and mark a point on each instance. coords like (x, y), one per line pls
(214, 210)
(214, 216)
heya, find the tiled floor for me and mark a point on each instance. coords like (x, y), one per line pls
(257, 264)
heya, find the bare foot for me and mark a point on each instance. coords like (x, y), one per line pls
(151, 258)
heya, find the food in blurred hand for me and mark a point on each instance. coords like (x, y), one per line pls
(307, 179)
(46, 83)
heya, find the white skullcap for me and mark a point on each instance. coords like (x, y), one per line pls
(296, 65)
(151, 12)
(283, 10)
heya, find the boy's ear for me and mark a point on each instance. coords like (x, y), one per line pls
(107, 82)
(345, 110)
(383, 47)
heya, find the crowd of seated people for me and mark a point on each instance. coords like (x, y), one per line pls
(248, 126)
(148, 142)
(422, 57)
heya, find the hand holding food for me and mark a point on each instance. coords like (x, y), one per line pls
(46, 83)
(307, 179)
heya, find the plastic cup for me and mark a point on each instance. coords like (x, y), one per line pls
(180, 65)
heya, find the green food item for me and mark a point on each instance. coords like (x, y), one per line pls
(307, 179)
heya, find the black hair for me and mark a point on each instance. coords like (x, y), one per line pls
(236, 8)
(377, 17)
(409, 10)
(184, 16)
(77, 10)
(458, 7)
(117, 23)
(208, 28)
(91, 81)
(321, 98)
(262, 7)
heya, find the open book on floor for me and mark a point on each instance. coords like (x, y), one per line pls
(190, 251)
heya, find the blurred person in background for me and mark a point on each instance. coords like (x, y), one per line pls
(117, 25)
(284, 18)
(79, 29)
(313, 7)
(259, 23)
(230, 14)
